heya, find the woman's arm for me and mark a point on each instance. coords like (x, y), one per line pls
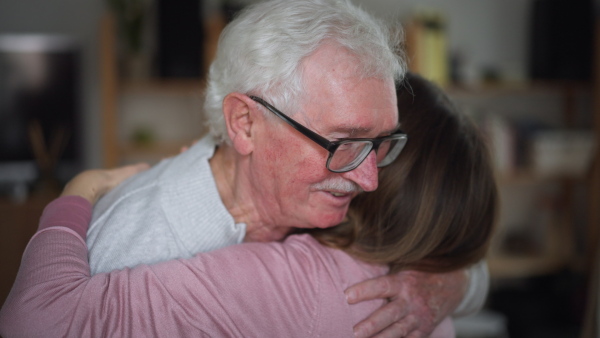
(249, 290)
(291, 289)
(433, 296)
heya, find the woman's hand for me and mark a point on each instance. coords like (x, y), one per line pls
(418, 302)
(93, 184)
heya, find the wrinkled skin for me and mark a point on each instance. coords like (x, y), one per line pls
(418, 302)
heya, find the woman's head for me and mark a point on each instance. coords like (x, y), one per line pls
(436, 204)
(262, 51)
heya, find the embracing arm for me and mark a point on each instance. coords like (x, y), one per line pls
(247, 290)
(419, 300)
(253, 289)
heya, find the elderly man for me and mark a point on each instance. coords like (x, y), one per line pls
(302, 112)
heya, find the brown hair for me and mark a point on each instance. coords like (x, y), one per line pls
(435, 207)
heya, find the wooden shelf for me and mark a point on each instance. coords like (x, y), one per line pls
(153, 152)
(528, 87)
(556, 252)
(526, 176)
(121, 99)
(524, 266)
(163, 86)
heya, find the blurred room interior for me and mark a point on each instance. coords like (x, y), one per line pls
(88, 84)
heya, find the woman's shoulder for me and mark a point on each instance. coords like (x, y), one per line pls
(298, 282)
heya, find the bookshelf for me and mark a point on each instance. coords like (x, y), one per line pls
(513, 116)
(144, 119)
(542, 226)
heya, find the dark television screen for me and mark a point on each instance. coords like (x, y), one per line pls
(39, 106)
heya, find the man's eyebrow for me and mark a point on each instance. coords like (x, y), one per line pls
(353, 131)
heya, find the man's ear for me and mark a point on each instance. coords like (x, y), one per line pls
(239, 119)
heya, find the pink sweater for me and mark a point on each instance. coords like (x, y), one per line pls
(289, 289)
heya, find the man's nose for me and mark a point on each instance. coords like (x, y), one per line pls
(365, 175)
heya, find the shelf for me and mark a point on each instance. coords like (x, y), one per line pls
(528, 87)
(163, 86)
(158, 149)
(555, 253)
(129, 152)
(525, 176)
(125, 102)
(525, 266)
(558, 254)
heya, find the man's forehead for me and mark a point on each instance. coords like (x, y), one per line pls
(338, 99)
(356, 123)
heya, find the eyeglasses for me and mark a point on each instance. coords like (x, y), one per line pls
(347, 154)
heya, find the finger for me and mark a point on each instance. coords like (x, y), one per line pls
(120, 174)
(381, 319)
(417, 334)
(380, 287)
(186, 147)
(407, 328)
(92, 184)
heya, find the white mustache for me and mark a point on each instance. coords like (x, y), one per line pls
(338, 184)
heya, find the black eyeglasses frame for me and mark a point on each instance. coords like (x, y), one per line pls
(331, 146)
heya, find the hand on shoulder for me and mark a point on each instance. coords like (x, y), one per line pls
(93, 184)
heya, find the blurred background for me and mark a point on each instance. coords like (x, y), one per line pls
(86, 84)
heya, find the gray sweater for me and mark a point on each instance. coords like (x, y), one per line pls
(171, 211)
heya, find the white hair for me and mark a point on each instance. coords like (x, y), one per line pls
(262, 49)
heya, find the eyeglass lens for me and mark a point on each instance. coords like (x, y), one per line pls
(351, 153)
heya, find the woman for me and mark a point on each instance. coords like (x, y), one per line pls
(434, 211)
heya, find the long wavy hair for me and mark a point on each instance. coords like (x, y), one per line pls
(436, 205)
